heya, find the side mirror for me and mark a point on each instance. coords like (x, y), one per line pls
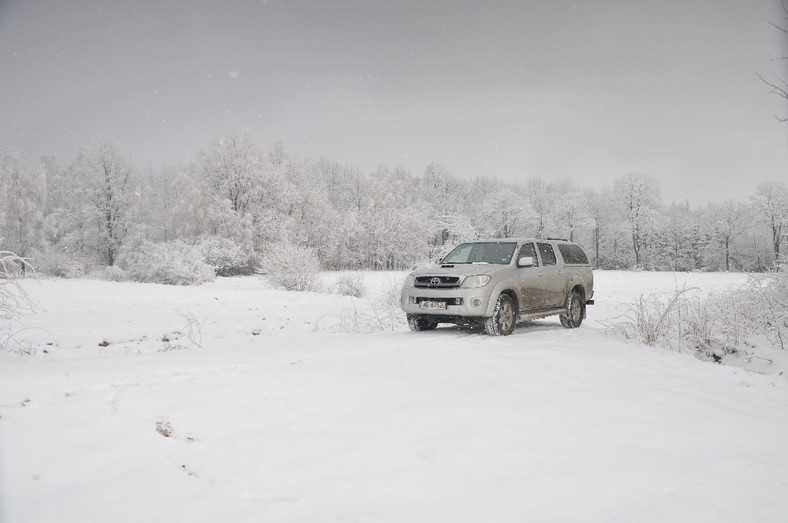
(526, 261)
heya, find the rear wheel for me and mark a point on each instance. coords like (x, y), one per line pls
(503, 319)
(420, 323)
(574, 311)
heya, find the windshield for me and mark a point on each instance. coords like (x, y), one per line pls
(482, 252)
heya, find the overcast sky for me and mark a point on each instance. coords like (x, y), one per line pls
(586, 90)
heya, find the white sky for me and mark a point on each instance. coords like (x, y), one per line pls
(586, 90)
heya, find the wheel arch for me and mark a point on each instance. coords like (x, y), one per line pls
(578, 288)
(504, 289)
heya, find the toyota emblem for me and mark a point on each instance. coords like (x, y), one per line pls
(435, 281)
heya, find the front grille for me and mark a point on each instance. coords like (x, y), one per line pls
(434, 282)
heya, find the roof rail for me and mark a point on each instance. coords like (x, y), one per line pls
(558, 239)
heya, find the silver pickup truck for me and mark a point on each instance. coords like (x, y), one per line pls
(493, 283)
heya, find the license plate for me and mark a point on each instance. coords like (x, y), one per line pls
(433, 305)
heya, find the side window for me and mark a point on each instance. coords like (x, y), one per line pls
(528, 249)
(573, 254)
(547, 252)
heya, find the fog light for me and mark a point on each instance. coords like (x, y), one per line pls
(476, 302)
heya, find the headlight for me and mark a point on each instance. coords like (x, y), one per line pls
(474, 282)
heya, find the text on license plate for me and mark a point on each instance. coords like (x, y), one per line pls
(424, 304)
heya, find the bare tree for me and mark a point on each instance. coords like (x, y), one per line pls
(779, 85)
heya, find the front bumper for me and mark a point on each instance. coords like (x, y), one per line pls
(459, 302)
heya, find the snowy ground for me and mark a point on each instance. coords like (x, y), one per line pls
(235, 402)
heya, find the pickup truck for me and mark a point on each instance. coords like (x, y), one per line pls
(495, 283)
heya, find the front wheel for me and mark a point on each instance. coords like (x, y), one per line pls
(574, 311)
(503, 319)
(420, 323)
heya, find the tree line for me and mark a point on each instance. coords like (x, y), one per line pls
(238, 199)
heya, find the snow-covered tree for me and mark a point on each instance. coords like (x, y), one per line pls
(186, 215)
(108, 174)
(727, 221)
(771, 205)
(542, 204)
(243, 189)
(571, 208)
(639, 198)
(497, 209)
(599, 219)
(23, 200)
(680, 239)
(390, 232)
(440, 196)
(232, 169)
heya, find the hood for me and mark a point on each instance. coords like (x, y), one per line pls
(461, 269)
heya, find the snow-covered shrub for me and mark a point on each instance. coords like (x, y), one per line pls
(379, 311)
(227, 256)
(171, 263)
(59, 264)
(13, 298)
(385, 303)
(350, 285)
(685, 322)
(763, 307)
(114, 273)
(290, 266)
(651, 319)
(742, 324)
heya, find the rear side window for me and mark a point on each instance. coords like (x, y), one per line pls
(547, 252)
(573, 254)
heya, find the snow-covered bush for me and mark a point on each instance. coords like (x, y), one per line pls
(740, 324)
(13, 298)
(171, 263)
(762, 307)
(379, 311)
(351, 284)
(386, 303)
(227, 257)
(685, 322)
(290, 266)
(110, 273)
(59, 264)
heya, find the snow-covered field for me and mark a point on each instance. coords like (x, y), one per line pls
(236, 402)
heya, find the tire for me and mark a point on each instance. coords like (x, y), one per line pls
(503, 319)
(575, 310)
(420, 323)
